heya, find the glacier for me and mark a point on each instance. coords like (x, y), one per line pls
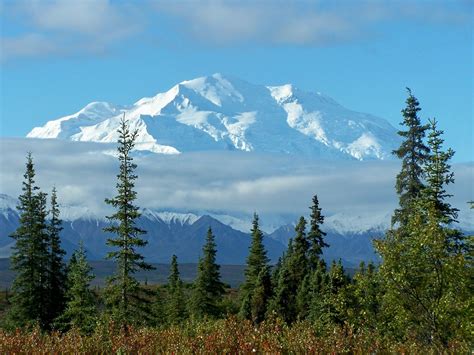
(219, 112)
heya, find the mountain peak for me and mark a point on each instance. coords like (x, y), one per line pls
(215, 88)
(281, 93)
(220, 112)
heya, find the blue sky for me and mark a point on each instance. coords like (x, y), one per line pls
(56, 56)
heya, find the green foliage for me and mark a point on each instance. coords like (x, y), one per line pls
(158, 307)
(303, 298)
(438, 175)
(413, 153)
(338, 295)
(319, 285)
(256, 289)
(128, 301)
(426, 284)
(30, 258)
(283, 303)
(176, 303)
(208, 288)
(57, 268)
(293, 271)
(298, 259)
(261, 295)
(316, 235)
(367, 292)
(80, 312)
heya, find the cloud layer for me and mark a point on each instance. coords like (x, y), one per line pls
(221, 182)
(67, 28)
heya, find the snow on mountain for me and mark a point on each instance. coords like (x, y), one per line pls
(170, 217)
(71, 125)
(344, 223)
(222, 113)
(7, 203)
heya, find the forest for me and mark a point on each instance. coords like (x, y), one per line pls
(418, 299)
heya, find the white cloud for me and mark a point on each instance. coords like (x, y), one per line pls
(66, 27)
(222, 182)
(300, 22)
(29, 45)
(88, 17)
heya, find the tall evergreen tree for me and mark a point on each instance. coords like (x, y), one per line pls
(367, 292)
(261, 295)
(283, 302)
(294, 269)
(30, 256)
(427, 286)
(298, 259)
(158, 307)
(276, 270)
(80, 311)
(176, 303)
(413, 153)
(257, 268)
(338, 299)
(319, 286)
(316, 235)
(208, 288)
(57, 268)
(438, 174)
(126, 298)
(303, 298)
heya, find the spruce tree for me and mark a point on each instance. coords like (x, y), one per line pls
(298, 259)
(427, 286)
(176, 303)
(257, 267)
(261, 294)
(80, 311)
(340, 299)
(316, 235)
(126, 299)
(333, 299)
(367, 292)
(158, 308)
(293, 271)
(276, 270)
(318, 298)
(283, 302)
(208, 288)
(57, 268)
(303, 298)
(438, 175)
(30, 257)
(413, 153)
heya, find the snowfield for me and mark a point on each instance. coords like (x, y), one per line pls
(222, 113)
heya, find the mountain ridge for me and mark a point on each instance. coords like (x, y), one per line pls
(177, 233)
(223, 113)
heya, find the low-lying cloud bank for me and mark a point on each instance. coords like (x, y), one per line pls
(230, 182)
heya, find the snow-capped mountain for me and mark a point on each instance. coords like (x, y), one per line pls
(170, 232)
(222, 113)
